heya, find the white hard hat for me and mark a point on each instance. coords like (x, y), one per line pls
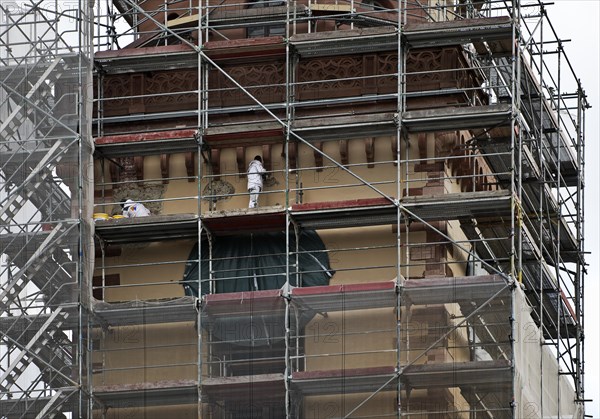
(128, 203)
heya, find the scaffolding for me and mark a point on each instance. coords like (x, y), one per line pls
(46, 146)
(429, 145)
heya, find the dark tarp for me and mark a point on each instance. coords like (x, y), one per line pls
(257, 262)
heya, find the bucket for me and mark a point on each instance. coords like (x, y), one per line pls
(100, 216)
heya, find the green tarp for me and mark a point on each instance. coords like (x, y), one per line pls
(257, 262)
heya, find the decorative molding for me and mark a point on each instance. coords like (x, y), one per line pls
(266, 156)
(178, 82)
(190, 166)
(265, 81)
(469, 167)
(240, 157)
(164, 167)
(344, 152)
(370, 152)
(114, 171)
(329, 77)
(130, 184)
(445, 143)
(138, 163)
(138, 88)
(317, 77)
(369, 70)
(215, 162)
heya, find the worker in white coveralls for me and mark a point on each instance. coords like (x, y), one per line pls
(134, 209)
(256, 175)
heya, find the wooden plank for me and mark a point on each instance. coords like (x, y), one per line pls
(183, 22)
(145, 136)
(352, 203)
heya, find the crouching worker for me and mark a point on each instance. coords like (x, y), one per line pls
(256, 175)
(134, 209)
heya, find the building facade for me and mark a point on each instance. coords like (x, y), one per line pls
(417, 250)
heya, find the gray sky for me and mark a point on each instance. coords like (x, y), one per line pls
(578, 20)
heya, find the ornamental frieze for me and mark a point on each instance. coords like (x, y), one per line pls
(264, 81)
(184, 83)
(315, 78)
(329, 77)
